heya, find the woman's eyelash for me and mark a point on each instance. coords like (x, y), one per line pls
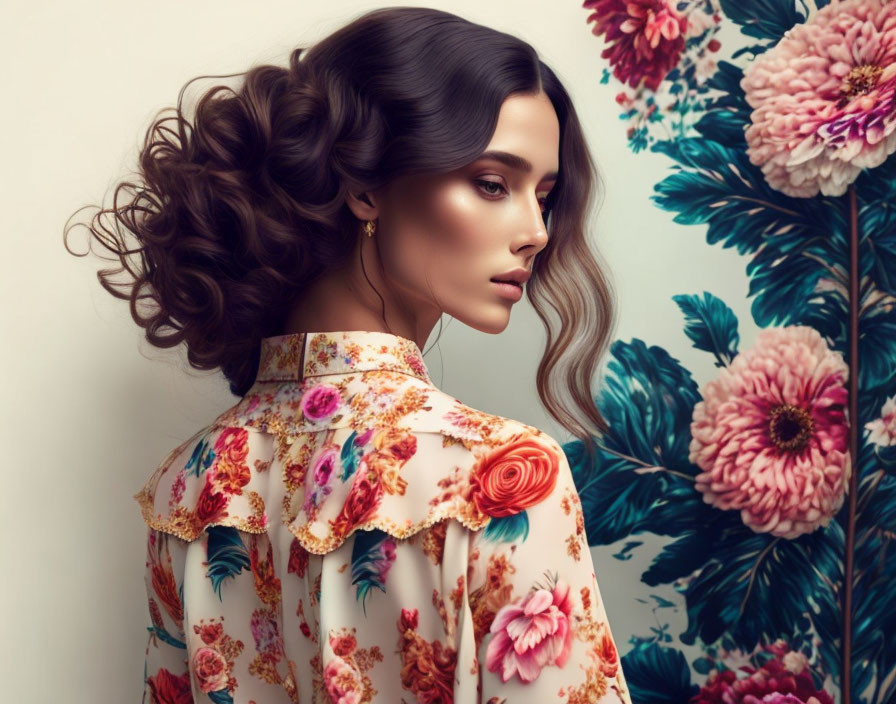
(495, 183)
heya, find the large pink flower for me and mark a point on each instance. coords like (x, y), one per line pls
(531, 635)
(645, 38)
(823, 99)
(771, 434)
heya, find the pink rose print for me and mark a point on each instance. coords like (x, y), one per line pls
(323, 466)
(531, 635)
(342, 681)
(321, 401)
(210, 669)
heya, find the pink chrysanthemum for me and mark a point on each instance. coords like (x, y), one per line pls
(823, 99)
(771, 434)
(645, 38)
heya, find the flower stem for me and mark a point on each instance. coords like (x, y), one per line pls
(845, 674)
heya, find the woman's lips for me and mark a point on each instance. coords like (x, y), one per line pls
(508, 289)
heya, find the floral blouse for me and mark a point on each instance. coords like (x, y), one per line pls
(348, 533)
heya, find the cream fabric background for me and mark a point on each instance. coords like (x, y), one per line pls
(91, 408)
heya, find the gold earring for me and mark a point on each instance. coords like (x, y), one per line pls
(370, 228)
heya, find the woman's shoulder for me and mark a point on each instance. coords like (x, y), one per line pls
(389, 453)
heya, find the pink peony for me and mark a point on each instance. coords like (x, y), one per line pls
(883, 429)
(343, 682)
(823, 99)
(320, 401)
(532, 634)
(771, 434)
(645, 38)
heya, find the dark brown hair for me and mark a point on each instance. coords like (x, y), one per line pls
(237, 211)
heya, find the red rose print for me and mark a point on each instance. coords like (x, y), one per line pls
(515, 476)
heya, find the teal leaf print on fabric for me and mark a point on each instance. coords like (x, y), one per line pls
(202, 458)
(221, 696)
(711, 325)
(227, 555)
(351, 453)
(166, 637)
(658, 675)
(372, 555)
(507, 528)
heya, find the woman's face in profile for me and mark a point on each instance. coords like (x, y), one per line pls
(454, 232)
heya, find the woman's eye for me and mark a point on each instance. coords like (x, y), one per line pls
(497, 185)
(483, 182)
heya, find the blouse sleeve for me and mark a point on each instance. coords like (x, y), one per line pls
(541, 628)
(166, 673)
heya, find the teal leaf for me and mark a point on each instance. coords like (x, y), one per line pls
(755, 587)
(507, 528)
(711, 325)
(657, 675)
(799, 246)
(350, 456)
(227, 555)
(201, 459)
(641, 478)
(874, 619)
(764, 19)
(166, 637)
(370, 562)
(221, 696)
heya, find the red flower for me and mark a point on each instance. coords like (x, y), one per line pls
(362, 501)
(298, 558)
(344, 645)
(209, 632)
(231, 470)
(167, 688)
(210, 505)
(515, 476)
(645, 38)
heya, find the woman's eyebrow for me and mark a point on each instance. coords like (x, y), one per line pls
(514, 161)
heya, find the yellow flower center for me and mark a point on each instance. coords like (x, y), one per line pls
(859, 81)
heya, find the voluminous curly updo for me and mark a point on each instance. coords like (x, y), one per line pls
(236, 211)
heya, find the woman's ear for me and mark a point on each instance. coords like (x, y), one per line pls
(363, 206)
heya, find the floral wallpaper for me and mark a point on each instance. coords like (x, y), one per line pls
(774, 483)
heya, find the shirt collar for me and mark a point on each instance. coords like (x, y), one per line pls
(295, 356)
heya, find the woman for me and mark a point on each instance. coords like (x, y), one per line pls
(347, 532)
